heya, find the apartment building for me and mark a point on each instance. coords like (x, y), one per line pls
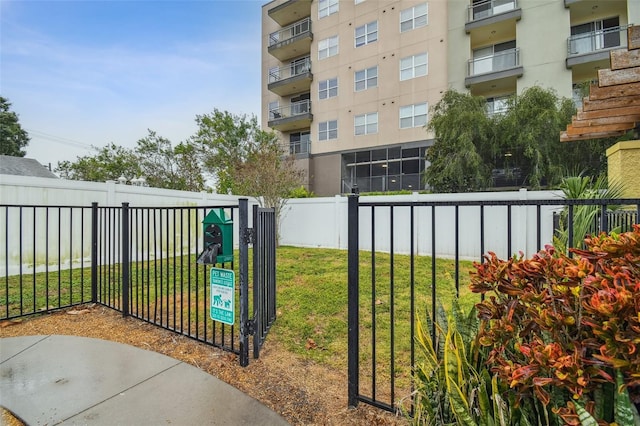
(347, 85)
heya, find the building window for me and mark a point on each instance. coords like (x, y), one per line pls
(414, 17)
(327, 7)
(299, 142)
(366, 124)
(494, 58)
(328, 88)
(413, 66)
(596, 35)
(328, 47)
(274, 110)
(328, 130)
(366, 79)
(367, 33)
(384, 169)
(413, 115)
(497, 105)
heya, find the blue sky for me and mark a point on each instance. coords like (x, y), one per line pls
(87, 73)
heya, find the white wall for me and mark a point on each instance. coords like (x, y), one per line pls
(322, 222)
(310, 222)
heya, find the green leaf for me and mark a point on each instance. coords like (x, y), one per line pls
(625, 412)
(583, 415)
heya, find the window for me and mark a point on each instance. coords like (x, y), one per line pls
(494, 58)
(328, 88)
(497, 105)
(413, 115)
(366, 79)
(367, 33)
(414, 17)
(327, 7)
(596, 35)
(274, 110)
(328, 47)
(299, 142)
(413, 66)
(328, 130)
(366, 124)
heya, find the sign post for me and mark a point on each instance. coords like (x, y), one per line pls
(223, 295)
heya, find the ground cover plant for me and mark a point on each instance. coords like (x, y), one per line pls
(563, 331)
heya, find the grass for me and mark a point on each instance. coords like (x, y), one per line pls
(311, 302)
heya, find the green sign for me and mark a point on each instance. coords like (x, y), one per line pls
(223, 284)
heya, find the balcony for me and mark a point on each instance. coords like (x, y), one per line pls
(300, 149)
(290, 11)
(291, 79)
(594, 46)
(490, 12)
(501, 65)
(292, 117)
(291, 41)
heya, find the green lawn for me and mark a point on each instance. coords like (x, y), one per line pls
(311, 299)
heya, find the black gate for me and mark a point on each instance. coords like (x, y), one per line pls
(263, 238)
(140, 261)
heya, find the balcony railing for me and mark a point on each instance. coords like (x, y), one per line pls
(296, 108)
(594, 41)
(294, 69)
(290, 32)
(301, 147)
(487, 8)
(500, 61)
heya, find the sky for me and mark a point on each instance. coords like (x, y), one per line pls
(86, 73)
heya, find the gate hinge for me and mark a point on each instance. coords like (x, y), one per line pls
(249, 328)
(249, 236)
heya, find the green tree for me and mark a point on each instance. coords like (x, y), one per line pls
(245, 159)
(165, 166)
(109, 163)
(13, 138)
(530, 130)
(524, 141)
(464, 142)
(226, 141)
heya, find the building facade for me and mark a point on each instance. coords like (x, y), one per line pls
(347, 85)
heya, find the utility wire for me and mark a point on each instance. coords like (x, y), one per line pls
(58, 139)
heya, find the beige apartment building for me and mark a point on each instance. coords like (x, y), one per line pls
(347, 85)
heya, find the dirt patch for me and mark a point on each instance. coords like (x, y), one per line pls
(303, 392)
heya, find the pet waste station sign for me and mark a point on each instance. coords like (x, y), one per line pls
(222, 295)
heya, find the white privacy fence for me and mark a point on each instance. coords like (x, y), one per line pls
(322, 222)
(310, 222)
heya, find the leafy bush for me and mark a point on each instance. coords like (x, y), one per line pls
(301, 192)
(561, 330)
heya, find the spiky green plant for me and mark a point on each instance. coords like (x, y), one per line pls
(579, 188)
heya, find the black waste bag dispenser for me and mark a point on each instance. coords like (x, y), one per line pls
(218, 238)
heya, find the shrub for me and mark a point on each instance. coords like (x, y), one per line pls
(561, 329)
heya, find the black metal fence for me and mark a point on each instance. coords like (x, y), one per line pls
(397, 272)
(140, 261)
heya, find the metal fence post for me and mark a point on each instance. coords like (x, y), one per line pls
(94, 252)
(353, 285)
(258, 283)
(125, 261)
(243, 250)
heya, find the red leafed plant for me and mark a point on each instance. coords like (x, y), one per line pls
(559, 327)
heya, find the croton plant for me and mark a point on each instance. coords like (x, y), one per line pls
(561, 328)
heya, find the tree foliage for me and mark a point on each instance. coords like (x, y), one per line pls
(109, 163)
(13, 138)
(463, 132)
(245, 159)
(523, 142)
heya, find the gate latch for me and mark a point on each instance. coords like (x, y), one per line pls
(250, 328)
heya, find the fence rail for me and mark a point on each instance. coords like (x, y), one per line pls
(388, 290)
(140, 261)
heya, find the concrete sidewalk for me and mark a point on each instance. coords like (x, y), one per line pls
(48, 380)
